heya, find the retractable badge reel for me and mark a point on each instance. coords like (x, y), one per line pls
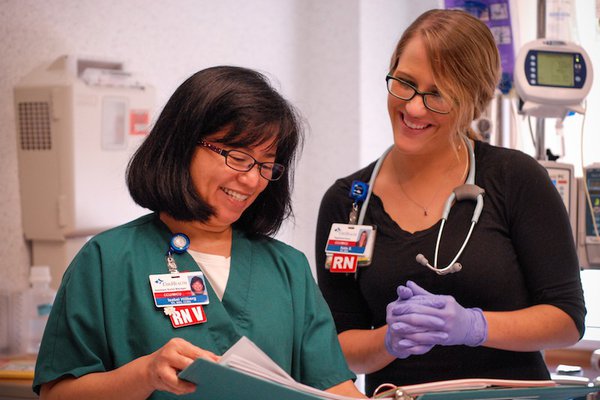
(179, 244)
(358, 193)
(351, 245)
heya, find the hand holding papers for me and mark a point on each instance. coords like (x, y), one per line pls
(245, 369)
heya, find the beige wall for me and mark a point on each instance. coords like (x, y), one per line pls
(312, 49)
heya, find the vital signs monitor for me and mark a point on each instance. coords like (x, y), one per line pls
(552, 78)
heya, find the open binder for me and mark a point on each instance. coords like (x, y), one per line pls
(548, 393)
(244, 371)
(479, 389)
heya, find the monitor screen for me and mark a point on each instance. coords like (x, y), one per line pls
(594, 184)
(555, 69)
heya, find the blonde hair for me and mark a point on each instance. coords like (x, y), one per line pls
(464, 59)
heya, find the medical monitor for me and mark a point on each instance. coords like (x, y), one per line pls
(552, 77)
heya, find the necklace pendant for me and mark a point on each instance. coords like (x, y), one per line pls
(425, 212)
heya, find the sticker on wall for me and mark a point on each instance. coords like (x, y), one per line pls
(139, 122)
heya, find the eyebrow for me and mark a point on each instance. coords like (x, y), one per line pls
(269, 154)
(245, 149)
(402, 75)
(431, 89)
(407, 77)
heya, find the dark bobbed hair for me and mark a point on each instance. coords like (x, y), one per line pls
(464, 59)
(196, 279)
(235, 100)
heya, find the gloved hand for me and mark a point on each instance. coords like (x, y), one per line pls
(438, 319)
(396, 342)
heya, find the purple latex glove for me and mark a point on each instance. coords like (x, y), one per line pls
(396, 342)
(440, 318)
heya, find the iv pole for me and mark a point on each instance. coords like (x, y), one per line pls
(540, 127)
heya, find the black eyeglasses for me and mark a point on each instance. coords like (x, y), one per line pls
(405, 91)
(244, 162)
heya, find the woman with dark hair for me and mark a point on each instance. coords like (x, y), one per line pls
(216, 170)
(198, 288)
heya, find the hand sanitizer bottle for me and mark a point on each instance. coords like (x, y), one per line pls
(4, 320)
(31, 309)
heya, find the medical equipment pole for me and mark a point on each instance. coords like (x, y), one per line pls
(500, 129)
(540, 126)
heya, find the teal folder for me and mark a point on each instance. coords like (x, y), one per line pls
(217, 382)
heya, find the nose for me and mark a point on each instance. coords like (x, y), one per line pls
(252, 177)
(416, 106)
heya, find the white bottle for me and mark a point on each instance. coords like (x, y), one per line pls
(4, 320)
(31, 309)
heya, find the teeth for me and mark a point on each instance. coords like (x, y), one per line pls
(414, 126)
(234, 195)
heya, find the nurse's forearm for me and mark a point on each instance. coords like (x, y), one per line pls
(126, 382)
(530, 329)
(136, 379)
(347, 388)
(365, 349)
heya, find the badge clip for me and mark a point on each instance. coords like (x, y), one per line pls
(179, 244)
(358, 193)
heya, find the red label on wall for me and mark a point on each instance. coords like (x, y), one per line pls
(139, 122)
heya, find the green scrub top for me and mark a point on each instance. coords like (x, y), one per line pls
(104, 314)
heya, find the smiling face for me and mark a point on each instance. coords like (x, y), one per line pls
(198, 286)
(418, 130)
(227, 191)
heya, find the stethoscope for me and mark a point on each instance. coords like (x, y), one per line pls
(466, 191)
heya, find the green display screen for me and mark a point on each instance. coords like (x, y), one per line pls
(555, 69)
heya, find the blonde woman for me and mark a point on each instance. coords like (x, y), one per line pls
(426, 310)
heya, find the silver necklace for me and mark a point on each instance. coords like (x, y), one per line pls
(426, 208)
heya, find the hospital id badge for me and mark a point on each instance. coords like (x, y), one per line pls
(181, 289)
(349, 247)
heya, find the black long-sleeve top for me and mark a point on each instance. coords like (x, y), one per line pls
(521, 253)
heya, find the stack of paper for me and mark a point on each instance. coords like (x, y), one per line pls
(244, 369)
(17, 367)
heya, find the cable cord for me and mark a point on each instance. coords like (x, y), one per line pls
(533, 141)
(515, 123)
(585, 185)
